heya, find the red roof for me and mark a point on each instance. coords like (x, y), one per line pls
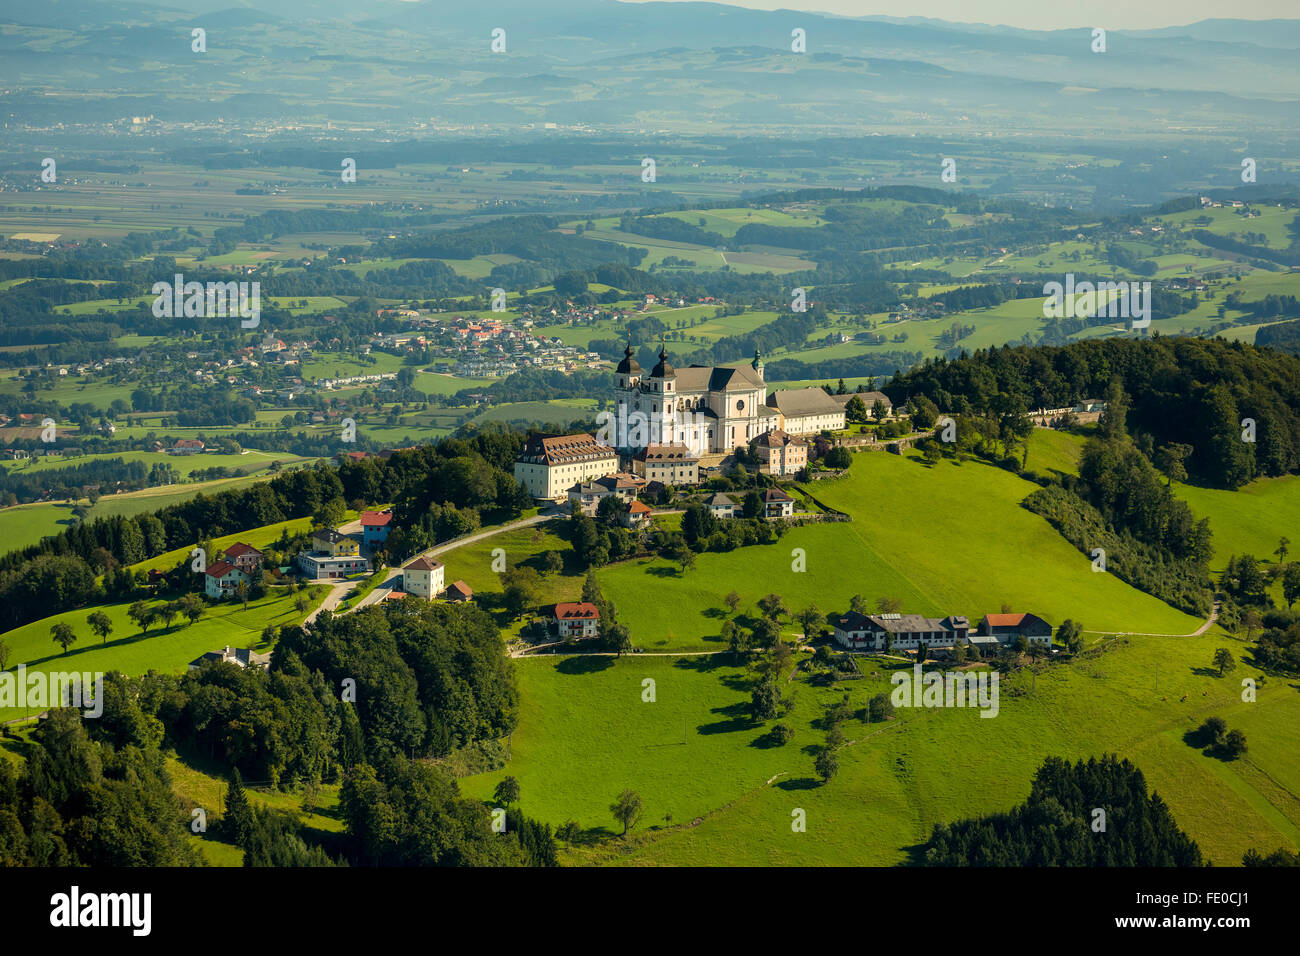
(376, 519)
(639, 507)
(1004, 620)
(576, 612)
(219, 569)
(239, 549)
(462, 588)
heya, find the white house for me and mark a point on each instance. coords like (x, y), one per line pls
(221, 578)
(423, 578)
(722, 506)
(576, 621)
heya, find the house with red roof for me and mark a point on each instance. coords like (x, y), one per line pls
(576, 621)
(374, 528)
(1008, 627)
(221, 578)
(243, 556)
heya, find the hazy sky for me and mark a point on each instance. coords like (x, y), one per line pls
(1044, 14)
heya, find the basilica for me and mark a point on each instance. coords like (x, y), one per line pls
(711, 410)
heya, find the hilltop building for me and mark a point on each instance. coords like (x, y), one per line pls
(711, 410)
(549, 466)
(806, 411)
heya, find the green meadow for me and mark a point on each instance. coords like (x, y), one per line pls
(715, 794)
(948, 539)
(160, 649)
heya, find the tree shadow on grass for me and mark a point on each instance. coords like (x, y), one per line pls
(729, 726)
(716, 613)
(660, 571)
(1207, 672)
(799, 783)
(703, 663)
(1204, 741)
(584, 664)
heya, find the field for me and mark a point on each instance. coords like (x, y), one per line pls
(714, 791)
(27, 524)
(969, 560)
(129, 651)
(585, 734)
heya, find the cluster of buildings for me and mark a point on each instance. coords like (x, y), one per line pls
(874, 632)
(671, 425)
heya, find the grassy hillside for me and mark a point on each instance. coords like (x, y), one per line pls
(585, 734)
(951, 539)
(129, 651)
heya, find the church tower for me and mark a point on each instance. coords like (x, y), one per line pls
(757, 365)
(663, 399)
(627, 387)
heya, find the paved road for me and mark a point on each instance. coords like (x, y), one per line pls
(499, 529)
(338, 591)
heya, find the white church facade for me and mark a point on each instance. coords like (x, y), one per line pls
(712, 410)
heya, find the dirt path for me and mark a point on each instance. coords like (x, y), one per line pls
(1209, 623)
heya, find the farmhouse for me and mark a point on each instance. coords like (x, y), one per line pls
(780, 453)
(547, 467)
(243, 556)
(576, 621)
(673, 464)
(221, 578)
(806, 411)
(186, 446)
(1007, 627)
(859, 632)
(423, 577)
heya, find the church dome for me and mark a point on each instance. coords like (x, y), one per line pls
(629, 365)
(663, 369)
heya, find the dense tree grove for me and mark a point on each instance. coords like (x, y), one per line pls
(1058, 824)
(362, 700)
(79, 800)
(1188, 391)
